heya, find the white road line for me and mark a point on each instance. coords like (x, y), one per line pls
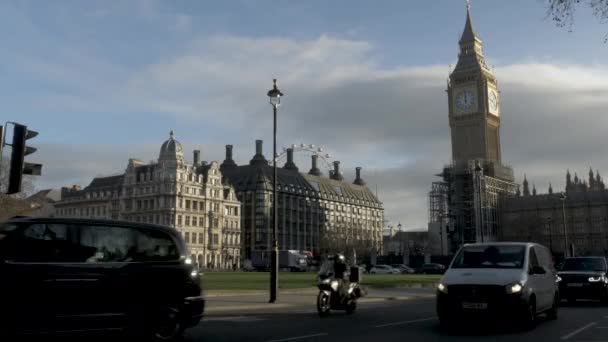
(406, 322)
(298, 337)
(601, 327)
(578, 330)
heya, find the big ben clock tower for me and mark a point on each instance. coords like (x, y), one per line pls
(465, 205)
(474, 103)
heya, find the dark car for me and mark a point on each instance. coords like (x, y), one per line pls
(74, 275)
(431, 269)
(583, 278)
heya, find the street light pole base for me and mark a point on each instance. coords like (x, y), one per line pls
(274, 274)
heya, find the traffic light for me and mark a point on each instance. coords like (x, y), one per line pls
(18, 165)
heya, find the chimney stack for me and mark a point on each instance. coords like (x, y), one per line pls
(196, 157)
(290, 165)
(358, 179)
(228, 162)
(258, 158)
(315, 170)
(336, 174)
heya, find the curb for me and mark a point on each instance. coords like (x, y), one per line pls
(239, 293)
(308, 290)
(264, 308)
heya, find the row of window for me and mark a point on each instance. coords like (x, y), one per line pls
(97, 211)
(199, 238)
(198, 205)
(323, 196)
(101, 194)
(197, 221)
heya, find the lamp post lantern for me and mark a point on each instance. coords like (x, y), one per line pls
(275, 100)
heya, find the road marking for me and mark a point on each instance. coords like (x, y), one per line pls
(578, 330)
(243, 319)
(406, 322)
(601, 327)
(298, 337)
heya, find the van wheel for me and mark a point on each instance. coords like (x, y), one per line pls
(552, 313)
(167, 325)
(529, 318)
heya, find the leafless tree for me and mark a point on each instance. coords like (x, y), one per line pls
(562, 11)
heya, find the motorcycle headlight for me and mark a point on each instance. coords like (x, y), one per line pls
(334, 285)
(442, 288)
(325, 281)
(514, 288)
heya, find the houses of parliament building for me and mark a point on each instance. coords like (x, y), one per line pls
(576, 217)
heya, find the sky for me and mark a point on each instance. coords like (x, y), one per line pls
(105, 81)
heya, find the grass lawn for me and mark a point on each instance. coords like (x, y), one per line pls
(259, 280)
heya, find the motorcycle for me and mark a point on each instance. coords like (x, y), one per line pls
(331, 298)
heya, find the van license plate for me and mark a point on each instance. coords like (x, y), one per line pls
(575, 284)
(475, 306)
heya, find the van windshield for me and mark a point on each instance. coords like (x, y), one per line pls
(498, 256)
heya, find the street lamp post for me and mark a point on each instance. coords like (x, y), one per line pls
(563, 198)
(478, 174)
(275, 100)
(400, 242)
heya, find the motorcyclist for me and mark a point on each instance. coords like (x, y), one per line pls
(340, 268)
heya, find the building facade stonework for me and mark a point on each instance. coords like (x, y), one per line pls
(317, 213)
(581, 216)
(191, 197)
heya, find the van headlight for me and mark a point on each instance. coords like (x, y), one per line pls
(442, 288)
(514, 288)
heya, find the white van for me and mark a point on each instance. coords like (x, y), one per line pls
(501, 280)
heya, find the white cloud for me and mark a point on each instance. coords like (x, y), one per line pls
(393, 122)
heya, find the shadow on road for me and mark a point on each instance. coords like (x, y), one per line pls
(584, 304)
(487, 328)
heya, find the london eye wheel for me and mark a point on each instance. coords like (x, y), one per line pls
(302, 157)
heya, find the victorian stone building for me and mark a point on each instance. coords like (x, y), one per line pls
(464, 204)
(580, 214)
(190, 197)
(317, 213)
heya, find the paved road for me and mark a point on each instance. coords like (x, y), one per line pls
(392, 320)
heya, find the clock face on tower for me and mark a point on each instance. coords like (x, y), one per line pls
(493, 101)
(466, 101)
